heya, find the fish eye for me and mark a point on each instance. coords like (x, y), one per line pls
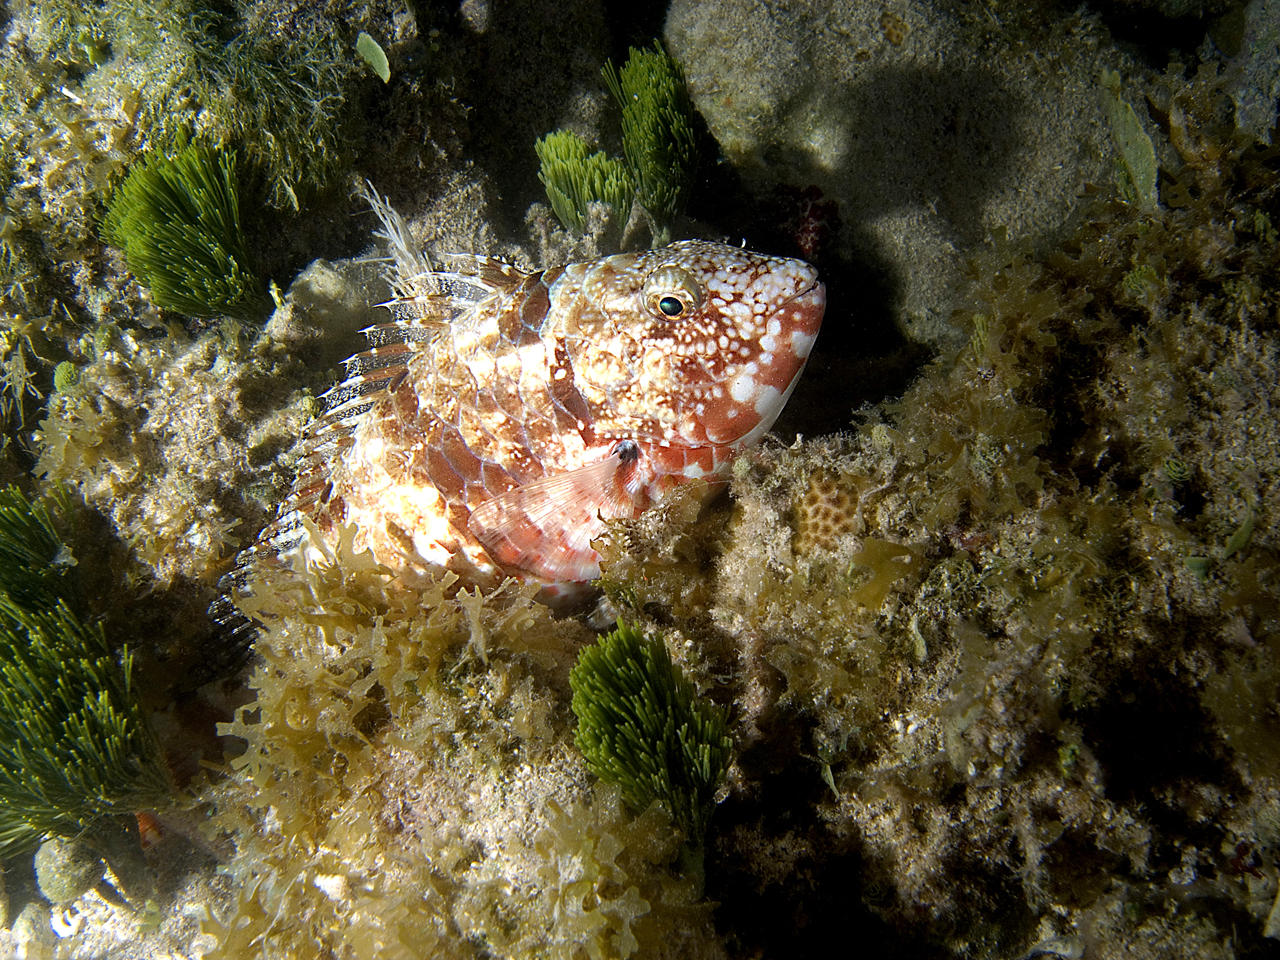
(670, 292)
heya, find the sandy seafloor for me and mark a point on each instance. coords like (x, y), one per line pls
(995, 610)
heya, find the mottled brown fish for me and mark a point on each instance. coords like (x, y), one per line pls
(502, 417)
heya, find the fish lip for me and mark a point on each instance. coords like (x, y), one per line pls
(816, 290)
(813, 300)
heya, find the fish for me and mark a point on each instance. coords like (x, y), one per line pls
(500, 418)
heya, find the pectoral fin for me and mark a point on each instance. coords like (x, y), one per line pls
(546, 527)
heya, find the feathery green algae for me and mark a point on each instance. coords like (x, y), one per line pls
(178, 221)
(642, 726)
(657, 140)
(657, 129)
(75, 748)
(281, 96)
(574, 177)
(36, 568)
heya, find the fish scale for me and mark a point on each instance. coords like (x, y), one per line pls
(502, 417)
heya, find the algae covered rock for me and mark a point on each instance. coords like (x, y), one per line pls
(410, 788)
(999, 651)
(1011, 640)
(928, 125)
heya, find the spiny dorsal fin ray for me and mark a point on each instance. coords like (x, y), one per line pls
(376, 358)
(463, 289)
(368, 374)
(379, 358)
(447, 295)
(497, 275)
(413, 277)
(407, 331)
(428, 311)
(410, 260)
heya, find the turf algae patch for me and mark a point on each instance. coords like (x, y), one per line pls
(1072, 670)
(409, 787)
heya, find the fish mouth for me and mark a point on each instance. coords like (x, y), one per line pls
(802, 314)
(800, 317)
(814, 295)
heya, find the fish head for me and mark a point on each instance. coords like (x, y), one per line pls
(693, 344)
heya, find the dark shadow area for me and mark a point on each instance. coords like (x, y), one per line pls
(953, 153)
(285, 242)
(952, 157)
(1149, 36)
(525, 72)
(787, 886)
(1077, 872)
(1152, 738)
(20, 886)
(176, 647)
(1080, 440)
(816, 896)
(634, 23)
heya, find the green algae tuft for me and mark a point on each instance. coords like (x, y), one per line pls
(575, 178)
(642, 726)
(76, 752)
(658, 136)
(36, 567)
(178, 221)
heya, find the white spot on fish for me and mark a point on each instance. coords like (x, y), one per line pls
(769, 402)
(742, 388)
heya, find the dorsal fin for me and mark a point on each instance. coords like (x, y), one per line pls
(402, 331)
(428, 310)
(329, 435)
(546, 526)
(443, 295)
(498, 276)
